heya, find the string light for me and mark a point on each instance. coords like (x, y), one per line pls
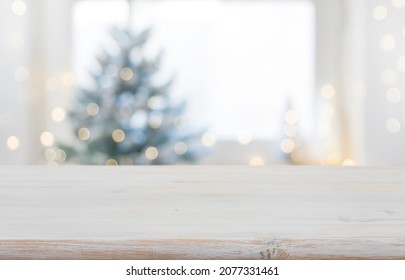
(393, 126)
(83, 134)
(151, 153)
(19, 7)
(13, 143)
(257, 161)
(47, 139)
(58, 114)
(208, 139)
(118, 135)
(380, 12)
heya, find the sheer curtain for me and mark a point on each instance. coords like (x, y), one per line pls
(371, 82)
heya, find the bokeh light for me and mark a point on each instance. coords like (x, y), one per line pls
(393, 95)
(118, 135)
(92, 109)
(58, 114)
(19, 7)
(13, 143)
(151, 153)
(380, 12)
(208, 139)
(180, 148)
(393, 125)
(291, 117)
(388, 43)
(257, 161)
(244, 138)
(83, 133)
(398, 3)
(287, 146)
(47, 139)
(111, 162)
(328, 91)
(126, 74)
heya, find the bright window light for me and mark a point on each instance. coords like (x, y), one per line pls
(239, 63)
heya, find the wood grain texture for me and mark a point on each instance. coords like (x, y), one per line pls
(202, 212)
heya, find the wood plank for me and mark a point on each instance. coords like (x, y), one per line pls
(201, 212)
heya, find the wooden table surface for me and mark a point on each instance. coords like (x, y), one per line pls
(199, 212)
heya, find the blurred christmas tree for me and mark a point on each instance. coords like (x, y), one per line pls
(128, 116)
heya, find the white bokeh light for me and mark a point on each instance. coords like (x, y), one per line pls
(13, 143)
(388, 43)
(393, 95)
(393, 126)
(398, 3)
(380, 12)
(19, 7)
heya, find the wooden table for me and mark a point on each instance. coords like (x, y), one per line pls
(202, 213)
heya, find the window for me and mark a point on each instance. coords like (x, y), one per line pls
(240, 64)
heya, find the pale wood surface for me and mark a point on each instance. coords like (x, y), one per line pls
(202, 212)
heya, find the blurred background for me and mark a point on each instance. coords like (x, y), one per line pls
(256, 82)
